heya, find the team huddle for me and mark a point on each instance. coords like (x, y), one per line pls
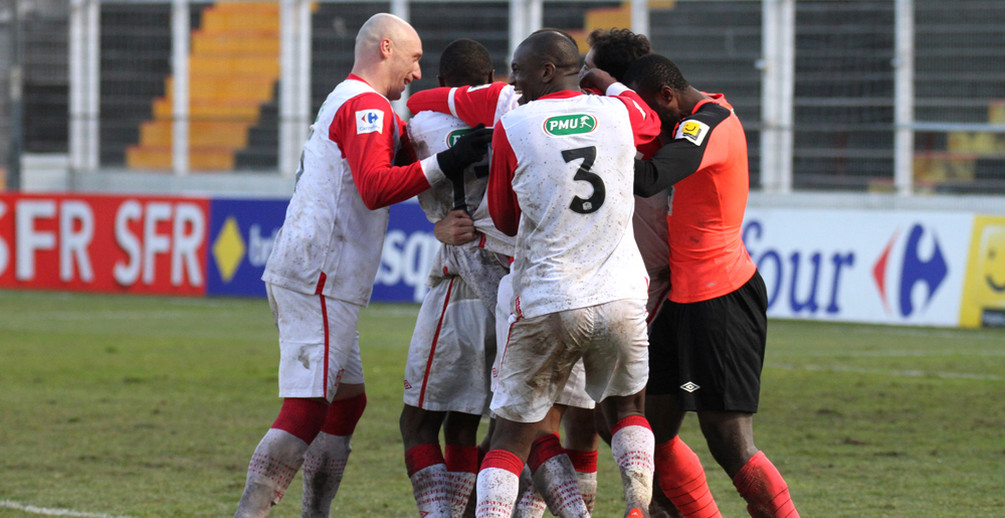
(591, 284)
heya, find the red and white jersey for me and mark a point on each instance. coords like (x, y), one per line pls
(482, 104)
(561, 181)
(431, 132)
(332, 237)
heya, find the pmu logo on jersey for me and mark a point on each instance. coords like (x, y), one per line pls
(369, 121)
(456, 135)
(563, 125)
(909, 284)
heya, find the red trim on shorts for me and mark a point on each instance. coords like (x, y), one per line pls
(436, 338)
(324, 318)
(509, 333)
(481, 242)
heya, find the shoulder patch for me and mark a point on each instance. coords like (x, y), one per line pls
(693, 131)
(369, 121)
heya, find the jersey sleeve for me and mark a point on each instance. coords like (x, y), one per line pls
(472, 104)
(503, 206)
(684, 155)
(645, 121)
(364, 129)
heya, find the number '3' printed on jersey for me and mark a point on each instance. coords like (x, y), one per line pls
(583, 174)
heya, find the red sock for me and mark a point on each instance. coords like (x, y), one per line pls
(544, 448)
(422, 456)
(343, 414)
(461, 458)
(503, 459)
(583, 461)
(301, 417)
(764, 489)
(682, 479)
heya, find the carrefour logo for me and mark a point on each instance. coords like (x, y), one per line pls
(909, 285)
(562, 125)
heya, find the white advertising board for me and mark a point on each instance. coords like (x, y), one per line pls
(891, 267)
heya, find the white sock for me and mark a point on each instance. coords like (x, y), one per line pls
(275, 462)
(461, 483)
(497, 492)
(430, 487)
(530, 504)
(556, 480)
(633, 447)
(587, 487)
(324, 465)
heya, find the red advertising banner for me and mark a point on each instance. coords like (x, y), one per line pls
(112, 244)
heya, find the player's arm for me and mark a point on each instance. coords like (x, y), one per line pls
(503, 206)
(364, 128)
(472, 104)
(645, 121)
(688, 152)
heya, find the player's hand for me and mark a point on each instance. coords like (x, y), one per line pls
(596, 79)
(468, 149)
(457, 228)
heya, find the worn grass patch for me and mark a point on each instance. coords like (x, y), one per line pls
(151, 407)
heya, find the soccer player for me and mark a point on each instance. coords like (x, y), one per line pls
(560, 182)
(454, 340)
(323, 264)
(484, 104)
(613, 51)
(708, 341)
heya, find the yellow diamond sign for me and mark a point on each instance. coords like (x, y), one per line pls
(228, 249)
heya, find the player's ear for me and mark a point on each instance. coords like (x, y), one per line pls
(548, 71)
(667, 95)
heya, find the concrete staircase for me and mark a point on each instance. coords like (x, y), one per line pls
(233, 68)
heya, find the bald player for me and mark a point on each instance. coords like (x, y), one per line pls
(560, 182)
(324, 261)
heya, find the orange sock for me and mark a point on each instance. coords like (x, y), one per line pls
(682, 480)
(764, 489)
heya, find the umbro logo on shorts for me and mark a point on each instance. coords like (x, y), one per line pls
(690, 386)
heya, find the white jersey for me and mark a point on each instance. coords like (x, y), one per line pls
(331, 240)
(431, 132)
(571, 158)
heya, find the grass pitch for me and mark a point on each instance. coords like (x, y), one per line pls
(151, 407)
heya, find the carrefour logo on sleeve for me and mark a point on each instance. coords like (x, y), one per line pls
(574, 124)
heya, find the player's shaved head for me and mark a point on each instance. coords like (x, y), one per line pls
(382, 26)
(387, 54)
(553, 46)
(465, 62)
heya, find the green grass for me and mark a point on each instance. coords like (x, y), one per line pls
(151, 407)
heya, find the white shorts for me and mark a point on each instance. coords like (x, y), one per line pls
(451, 351)
(537, 361)
(574, 394)
(318, 343)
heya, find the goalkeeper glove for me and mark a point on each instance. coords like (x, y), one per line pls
(468, 149)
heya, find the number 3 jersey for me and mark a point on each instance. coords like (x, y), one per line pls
(561, 181)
